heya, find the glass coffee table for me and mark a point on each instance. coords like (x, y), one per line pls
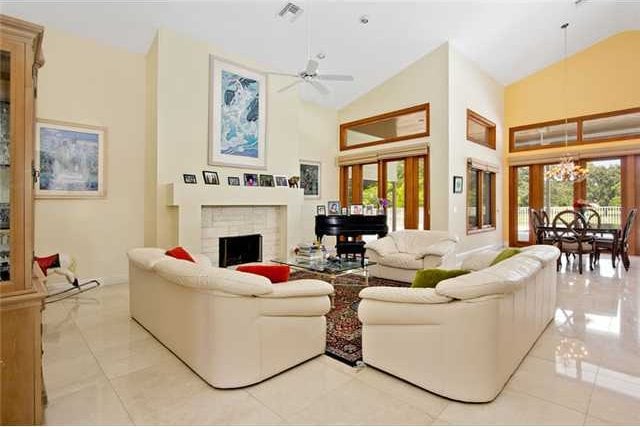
(330, 269)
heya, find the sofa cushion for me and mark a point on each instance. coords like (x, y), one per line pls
(383, 247)
(179, 253)
(414, 241)
(440, 248)
(502, 278)
(543, 253)
(479, 260)
(402, 260)
(146, 258)
(275, 273)
(505, 254)
(431, 277)
(197, 276)
(403, 295)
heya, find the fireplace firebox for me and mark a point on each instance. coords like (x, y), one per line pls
(236, 250)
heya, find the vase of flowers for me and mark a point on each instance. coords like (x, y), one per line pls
(382, 206)
(580, 205)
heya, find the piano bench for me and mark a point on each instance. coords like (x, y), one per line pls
(351, 249)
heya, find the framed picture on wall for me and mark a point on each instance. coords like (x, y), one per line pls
(237, 115)
(251, 180)
(189, 178)
(210, 178)
(310, 178)
(71, 160)
(457, 184)
(266, 181)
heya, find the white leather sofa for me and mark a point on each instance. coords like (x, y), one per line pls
(466, 337)
(232, 328)
(400, 254)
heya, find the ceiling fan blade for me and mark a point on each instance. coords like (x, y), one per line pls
(335, 77)
(290, 85)
(283, 74)
(312, 67)
(319, 87)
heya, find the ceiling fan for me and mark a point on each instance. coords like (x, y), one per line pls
(310, 74)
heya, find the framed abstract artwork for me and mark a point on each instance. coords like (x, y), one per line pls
(310, 178)
(71, 160)
(237, 115)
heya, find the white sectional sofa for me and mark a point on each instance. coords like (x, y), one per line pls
(465, 338)
(400, 254)
(231, 328)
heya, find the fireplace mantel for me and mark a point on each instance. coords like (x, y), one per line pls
(190, 198)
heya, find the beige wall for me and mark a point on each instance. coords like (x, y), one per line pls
(295, 130)
(471, 88)
(450, 83)
(318, 140)
(426, 80)
(86, 82)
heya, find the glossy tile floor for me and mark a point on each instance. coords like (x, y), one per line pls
(100, 367)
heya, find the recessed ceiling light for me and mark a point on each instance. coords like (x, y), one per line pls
(290, 12)
(321, 55)
(364, 19)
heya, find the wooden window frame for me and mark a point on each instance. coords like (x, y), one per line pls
(411, 202)
(490, 129)
(579, 137)
(479, 196)
(345, 126)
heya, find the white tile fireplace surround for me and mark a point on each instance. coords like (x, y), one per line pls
(228, 221)
(206, 213)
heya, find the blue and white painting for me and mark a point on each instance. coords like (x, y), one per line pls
(239, 131)
(238, 121)
(70, 161)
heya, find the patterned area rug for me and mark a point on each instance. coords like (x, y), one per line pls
(344, 330)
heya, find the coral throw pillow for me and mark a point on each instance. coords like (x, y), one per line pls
(275, 273)
(180, 253)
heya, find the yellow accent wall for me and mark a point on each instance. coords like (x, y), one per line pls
(603, 77)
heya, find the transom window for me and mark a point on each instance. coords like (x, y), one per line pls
(481, 130)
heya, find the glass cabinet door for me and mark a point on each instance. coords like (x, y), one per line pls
(5, 166)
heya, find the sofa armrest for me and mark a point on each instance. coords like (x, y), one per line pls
(202, 260)
(300, 288)
(441, 248)
(404, 295)
(383, 247)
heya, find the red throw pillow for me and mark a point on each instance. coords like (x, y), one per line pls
(180, 253)
(47, 262)
(275, 273)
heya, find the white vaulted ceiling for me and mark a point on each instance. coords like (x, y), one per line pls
(508, 39)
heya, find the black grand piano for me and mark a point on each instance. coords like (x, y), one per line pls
(350, 227)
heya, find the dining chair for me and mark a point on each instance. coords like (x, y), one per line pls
(539, 218)
(592, 217)
(622, 246)
(570, 233)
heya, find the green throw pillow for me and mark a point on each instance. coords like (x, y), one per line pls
(505, 254)
(431, 277)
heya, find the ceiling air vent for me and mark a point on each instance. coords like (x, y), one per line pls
(290, 12)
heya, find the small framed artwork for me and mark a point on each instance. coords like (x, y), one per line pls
(281, 181)
(266, 181)
(457, 184)
(344, 211)
(250, 180)
(355, 209)
(233, 181)
(368, 210)
(321, 210)
(334, 207)
(189, 178)
(210, 178)
(71, 160)
(310, 178)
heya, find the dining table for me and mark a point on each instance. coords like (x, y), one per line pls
(614, 230)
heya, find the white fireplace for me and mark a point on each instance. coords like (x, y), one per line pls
(207, 212)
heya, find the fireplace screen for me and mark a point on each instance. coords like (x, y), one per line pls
(236, 250)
